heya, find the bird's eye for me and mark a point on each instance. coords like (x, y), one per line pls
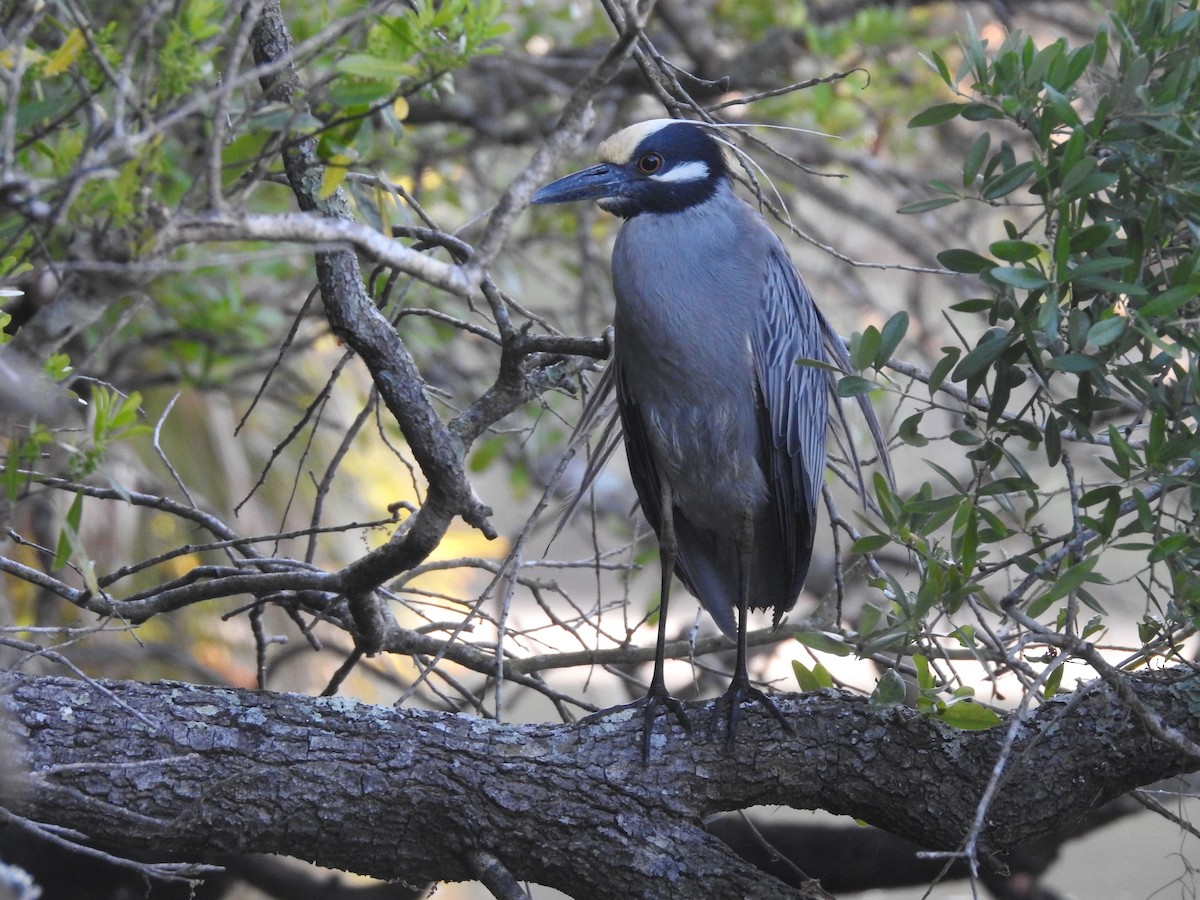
(650, 163)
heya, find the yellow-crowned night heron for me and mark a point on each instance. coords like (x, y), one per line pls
(724, 429)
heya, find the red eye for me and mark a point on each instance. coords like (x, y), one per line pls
(650, 163)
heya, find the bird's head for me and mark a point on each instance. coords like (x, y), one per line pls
(660, 166)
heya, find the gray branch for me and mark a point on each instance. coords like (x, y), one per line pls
(424, 796)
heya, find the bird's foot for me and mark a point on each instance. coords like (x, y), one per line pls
(650, 705)
(740, 690)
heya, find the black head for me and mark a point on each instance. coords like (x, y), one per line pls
(661, 166)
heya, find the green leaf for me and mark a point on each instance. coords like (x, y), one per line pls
(1086, 180)
(817, 364)
(854, 385)
(1096, 265)
(1077, 64)
(922, 206)
(909, 433)
(1006, 182)
(1014, 251)
(868, 619)
(964, 536)
(936, 115)
(966, 261)
(870, 543)
(967, 715)
(1061, 105)
(980, 112)
(1053, 435)
(1065, 583)
(1168, 547)
(890, 337)
(933, 514)
(336, 168)
(975, 157)
(940, 65)
(1091, 237)
(965, 438)
(889, 692)
(818, 640)
(486, 452)
(66, 54)
(1107, 331)
(864, 348)
(1075, 362)
(942, 368)
(1148, 630)
(1011, 484)
(924, 675)
(804, 677)
(68, 537)
(1022, 277)
(965, 635)
(1103, 494)
(981, 356)
(1101, 44)
(888, 502)
(975, 305)
(824, 679)
(1169, 301)
(1053, 682)
(375, 67)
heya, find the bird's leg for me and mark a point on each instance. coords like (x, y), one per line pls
(740, 688)
(658, 695)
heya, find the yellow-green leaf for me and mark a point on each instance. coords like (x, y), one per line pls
(335, 174)
(68, 538)
(804, 677)
(824, 679)
(66, 54)
(968, 715)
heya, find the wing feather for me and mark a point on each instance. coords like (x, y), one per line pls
(789, 328)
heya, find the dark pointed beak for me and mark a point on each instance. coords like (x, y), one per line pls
(596, 183)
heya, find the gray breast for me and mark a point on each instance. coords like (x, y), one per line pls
(684, 314)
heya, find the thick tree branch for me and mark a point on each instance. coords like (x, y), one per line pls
(420, 796)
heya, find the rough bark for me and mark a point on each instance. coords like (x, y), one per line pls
(418, 795)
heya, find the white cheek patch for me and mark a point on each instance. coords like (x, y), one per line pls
(689, 171)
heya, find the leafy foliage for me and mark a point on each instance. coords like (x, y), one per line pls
(1090, 296)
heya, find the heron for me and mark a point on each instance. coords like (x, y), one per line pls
(724, 420)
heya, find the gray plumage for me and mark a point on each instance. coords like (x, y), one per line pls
(711, 396)
(724, 426)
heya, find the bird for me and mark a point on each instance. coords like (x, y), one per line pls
(724, 416)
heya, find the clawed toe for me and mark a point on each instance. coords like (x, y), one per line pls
(738, 693)
(650, 705)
